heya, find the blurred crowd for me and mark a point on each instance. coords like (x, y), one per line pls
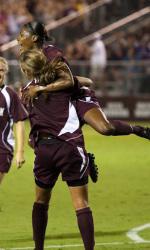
(117, 67)
(129, 46)
(14, 13)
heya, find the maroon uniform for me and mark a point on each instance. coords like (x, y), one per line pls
(60, 115)
(11, 110)
(55, 115)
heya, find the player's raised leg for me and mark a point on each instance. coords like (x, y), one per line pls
(97, 120)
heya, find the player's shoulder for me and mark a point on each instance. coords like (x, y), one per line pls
(9, 93)
(9, 89)
(52, 51)
(51, 47)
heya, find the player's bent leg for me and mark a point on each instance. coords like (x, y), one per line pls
(1, 177)
(85, 222)
(123, 128)
(40, 216)
(98, 121)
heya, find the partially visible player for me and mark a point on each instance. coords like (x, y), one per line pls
(11, 111)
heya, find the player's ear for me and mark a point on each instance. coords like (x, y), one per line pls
(34, 38)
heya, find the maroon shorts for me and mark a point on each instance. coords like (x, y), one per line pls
(86, 102)
(5, 162)
(53, 158)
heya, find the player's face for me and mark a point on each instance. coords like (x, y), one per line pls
(25, 40)
(2, 73)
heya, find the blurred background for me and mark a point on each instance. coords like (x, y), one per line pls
(106, 40)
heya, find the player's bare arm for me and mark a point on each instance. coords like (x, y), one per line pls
(84, 81)
(61, 83)
(63, 80)
(20, 136)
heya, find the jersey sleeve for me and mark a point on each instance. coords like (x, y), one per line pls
(17, 110)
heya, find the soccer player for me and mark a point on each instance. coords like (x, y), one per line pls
(58, 145)
(11, 111)
(34, 35)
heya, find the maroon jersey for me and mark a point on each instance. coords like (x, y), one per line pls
(52, 51)
(55, 114)
(84, 98)
(11, 110)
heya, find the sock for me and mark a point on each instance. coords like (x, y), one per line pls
(86, 226)
(138, 130)
(39, 223)
(121, 128)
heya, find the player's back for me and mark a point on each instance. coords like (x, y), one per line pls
(56, 114)
(52, 51)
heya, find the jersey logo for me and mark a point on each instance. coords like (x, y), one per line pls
(1, 111)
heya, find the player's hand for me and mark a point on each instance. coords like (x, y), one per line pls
(25, 96)
(29, 94)
(19, 159)
(33, 91)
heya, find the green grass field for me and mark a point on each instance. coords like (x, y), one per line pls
(120, 200)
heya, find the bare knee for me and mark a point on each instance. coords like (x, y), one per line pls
(106, 128)
(42, 195)
(98, 121)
